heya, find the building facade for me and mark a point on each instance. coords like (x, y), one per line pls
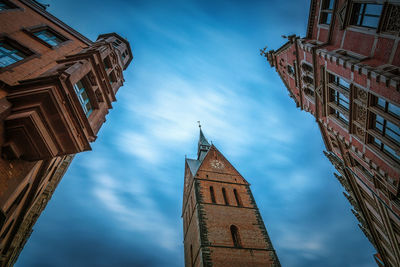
(346, 73)
(221, 222)
(56, 88)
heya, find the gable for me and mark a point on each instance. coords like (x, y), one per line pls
(218, 168)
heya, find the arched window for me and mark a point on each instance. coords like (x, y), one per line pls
(225, 198)
(235, 236)
(212, 194)
(238, 201)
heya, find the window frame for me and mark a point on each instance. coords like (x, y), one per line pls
(78, 93)
(237, 242)
(377, 137)
(212, 195)
(12, 6)
(225, 196)
(352, 21)
(30, 54)
(326, 12)
(39, 28)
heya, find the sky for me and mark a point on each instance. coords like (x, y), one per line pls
(195, 60)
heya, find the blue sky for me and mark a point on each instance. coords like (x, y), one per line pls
(120, 204)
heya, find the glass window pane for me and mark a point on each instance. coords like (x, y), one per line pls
(330, 4)
(391, 152)
(379, 127)
(393, 135)
(9, 55)
(370, 22)
(377, 141)
(88, 106)
(343, 83)
(381, 103)
(379, 119)
(393, 131)
(394, 110)
(343, 117)
(84, 96)
(48, 37)
(373, 9)
(5, 61)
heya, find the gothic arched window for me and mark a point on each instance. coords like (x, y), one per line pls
(235, 236)
(238, 201)
(225, 198)
(212, 194)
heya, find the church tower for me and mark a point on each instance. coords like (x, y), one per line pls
(221, 222)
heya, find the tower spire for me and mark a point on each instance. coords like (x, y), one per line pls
(203, 145)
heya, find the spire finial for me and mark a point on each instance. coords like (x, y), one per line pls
(199, 124)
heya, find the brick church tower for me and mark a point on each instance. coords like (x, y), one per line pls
(221, 222)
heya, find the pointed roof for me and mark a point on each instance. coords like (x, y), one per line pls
(203, 146)
(203, 140)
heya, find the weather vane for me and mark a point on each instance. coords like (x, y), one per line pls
(199, 124)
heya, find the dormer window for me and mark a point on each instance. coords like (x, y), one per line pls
(83, 97)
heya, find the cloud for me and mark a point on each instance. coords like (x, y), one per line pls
(136, 211)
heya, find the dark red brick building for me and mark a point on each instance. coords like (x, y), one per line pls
(346, 73)
(56, 88)
(221, 221)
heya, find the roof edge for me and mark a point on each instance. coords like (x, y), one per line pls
(42, 11)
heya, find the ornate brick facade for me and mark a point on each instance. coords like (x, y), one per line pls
(221, 222)
(346, 73)
(56, 87)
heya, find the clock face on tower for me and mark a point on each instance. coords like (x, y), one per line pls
(216, 164)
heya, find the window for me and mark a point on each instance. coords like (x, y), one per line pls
(212, 194)
(116, 43)
(387, 107)
(339, 99)
(83, 97)
(366, 15)
(235, 236)
(111, 77)
(338, 81)
(290, 70)
(10, 54)
(387, 128)
(366, 172)
(309, 91)
(238, 201)
(306, 67)
(107, 63)
(225, 198)
(391, 24)
(385, 123)
(385, 148)
(326, 12)
(124, 54)
(49, 37)
(4, 5)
